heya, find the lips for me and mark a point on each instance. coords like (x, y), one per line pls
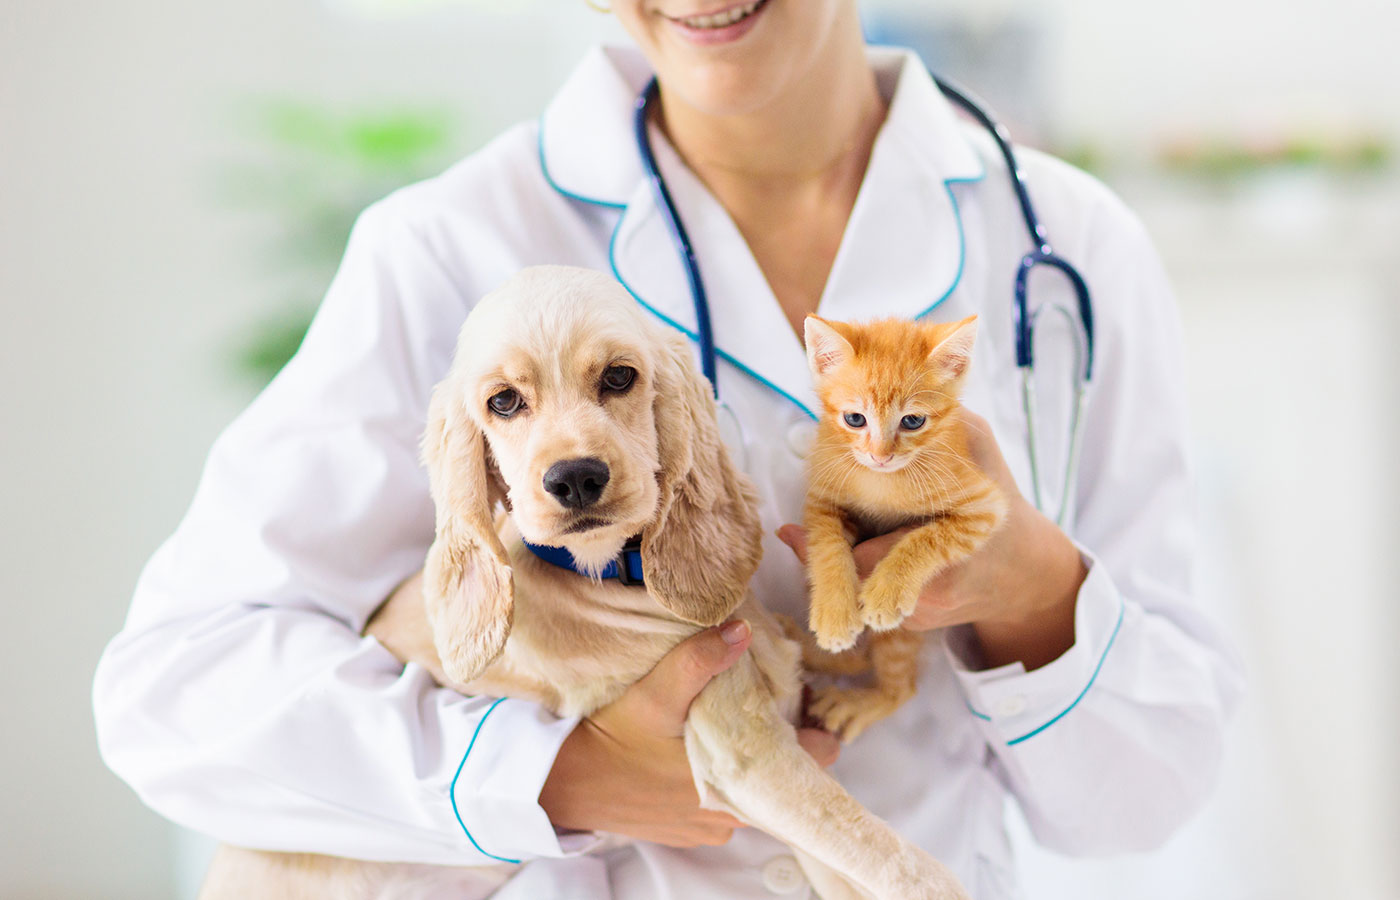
(721, 19)
(719, 26)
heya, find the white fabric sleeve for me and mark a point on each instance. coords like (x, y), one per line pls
(1113, 745)
(240, 699)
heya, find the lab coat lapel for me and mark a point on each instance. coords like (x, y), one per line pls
(586, 146)
(903, 251)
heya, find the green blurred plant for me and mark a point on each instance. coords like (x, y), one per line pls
(1224, 160)
(1083, 155)
(311, 170)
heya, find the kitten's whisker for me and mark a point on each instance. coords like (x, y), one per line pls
(983, 429)
(933, 472)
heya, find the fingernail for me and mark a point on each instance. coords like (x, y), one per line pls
(734, 632)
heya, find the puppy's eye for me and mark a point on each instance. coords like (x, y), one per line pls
(855, 420)
(912, 422)
(505, 403)
(618, 378)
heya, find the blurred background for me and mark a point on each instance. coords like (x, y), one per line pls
(177, 181)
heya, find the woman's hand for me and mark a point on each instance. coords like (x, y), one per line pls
(624, 768)
(1018, 591)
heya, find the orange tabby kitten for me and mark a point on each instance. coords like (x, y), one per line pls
(890, 451)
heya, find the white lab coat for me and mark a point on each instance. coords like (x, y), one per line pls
(240, 699)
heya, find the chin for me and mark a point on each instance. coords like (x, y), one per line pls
(752, 73)
(595, 548)
(592, 543)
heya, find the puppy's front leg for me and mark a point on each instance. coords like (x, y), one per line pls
(746, 756)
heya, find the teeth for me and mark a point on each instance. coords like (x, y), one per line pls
(723, 19)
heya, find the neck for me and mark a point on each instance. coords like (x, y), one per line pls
(817, 132)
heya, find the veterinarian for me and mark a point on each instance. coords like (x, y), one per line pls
(1077, 676)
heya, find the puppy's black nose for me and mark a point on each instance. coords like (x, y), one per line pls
(577, 483)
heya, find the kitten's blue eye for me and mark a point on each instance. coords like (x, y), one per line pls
(855, 420)
(912, 423)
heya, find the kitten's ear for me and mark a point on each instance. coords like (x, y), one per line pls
(826, 347)
(953, 354)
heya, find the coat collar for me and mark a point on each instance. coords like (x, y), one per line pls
(902, 253)
(586, 146)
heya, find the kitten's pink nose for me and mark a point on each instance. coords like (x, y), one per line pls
(881, 460)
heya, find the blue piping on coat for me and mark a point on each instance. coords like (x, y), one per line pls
(452, 791)
(1092, 678)
(549, 179)
(962, 238)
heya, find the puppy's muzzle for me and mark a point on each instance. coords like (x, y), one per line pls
(577, 483)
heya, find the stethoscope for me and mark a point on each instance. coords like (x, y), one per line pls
(1024, 318)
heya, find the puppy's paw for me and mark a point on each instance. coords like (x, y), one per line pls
(846, 712)
(886, 601)
(918, 876)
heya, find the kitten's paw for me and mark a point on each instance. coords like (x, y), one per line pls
(846, 712)
(836, 625)
(885, 602)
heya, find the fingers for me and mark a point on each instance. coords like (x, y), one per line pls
(664, 695)
(868, 553)
(985, 450)
(795, 536)
(975, 424)
(822, 746)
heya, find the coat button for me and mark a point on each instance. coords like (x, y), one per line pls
(782, 875)
(800, 437)
(1012, 705)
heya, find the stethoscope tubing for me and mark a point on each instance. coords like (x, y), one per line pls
(704, 331)
(1043, 254)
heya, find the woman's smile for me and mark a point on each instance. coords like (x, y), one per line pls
(720, 26)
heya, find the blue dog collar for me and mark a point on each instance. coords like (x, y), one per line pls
(626, 568)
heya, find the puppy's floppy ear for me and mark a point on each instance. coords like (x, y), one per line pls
(467, 578)
(704, 544)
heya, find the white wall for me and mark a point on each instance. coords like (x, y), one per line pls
(121, 279)
(1125, 73)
